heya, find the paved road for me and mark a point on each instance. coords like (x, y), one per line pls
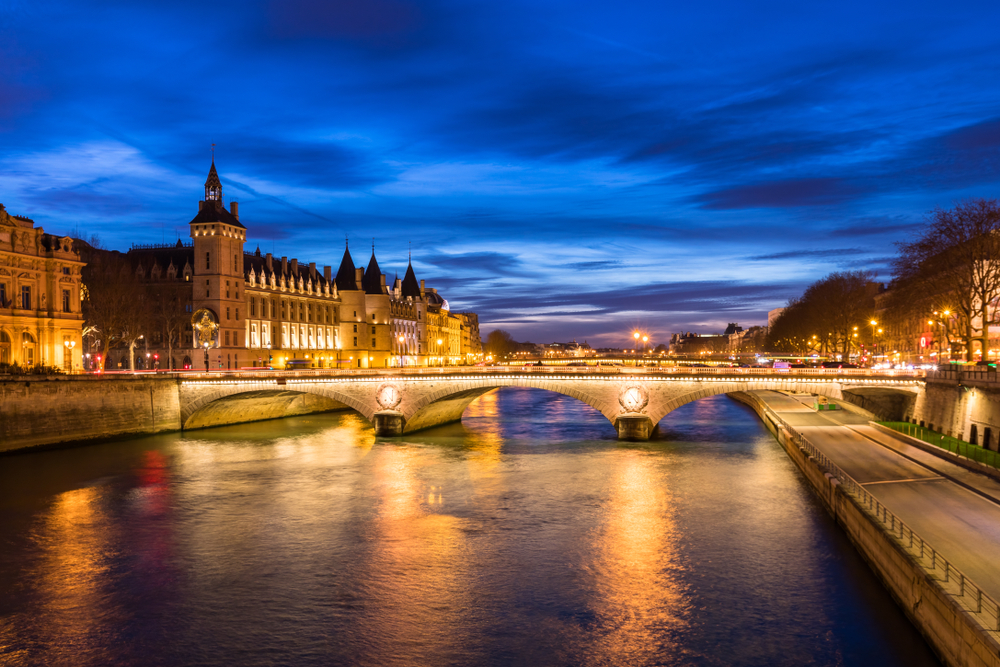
(954, 509)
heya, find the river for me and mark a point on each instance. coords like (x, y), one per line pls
(527, 535)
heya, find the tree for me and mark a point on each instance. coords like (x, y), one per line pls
(114, 302)
(953, 265)
(499, 343)
(828, 316)
(169, 317)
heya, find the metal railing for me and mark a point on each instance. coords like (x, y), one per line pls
(966, 374)
(742, 374)
(686, 371)
(952, 581)
(946, 442)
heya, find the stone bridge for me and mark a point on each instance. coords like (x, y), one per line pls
(398, 403)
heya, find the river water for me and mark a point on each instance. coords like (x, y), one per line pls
(528, 535)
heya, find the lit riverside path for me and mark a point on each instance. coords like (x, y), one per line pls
(957, 511)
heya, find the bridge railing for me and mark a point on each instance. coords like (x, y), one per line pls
(952, 580)
(971, 374)
(263, 373)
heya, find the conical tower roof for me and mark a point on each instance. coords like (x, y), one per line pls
(372, 280)
(213, 178)
(410, 285)
(346, 279)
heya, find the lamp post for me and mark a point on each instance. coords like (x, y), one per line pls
(69, 344)
(874, 324)
(401, 339)
(206, 355)
(645, 339)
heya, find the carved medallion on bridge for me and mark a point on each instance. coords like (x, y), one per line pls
(388, 396)
(633, 398)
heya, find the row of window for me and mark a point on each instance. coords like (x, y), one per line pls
(26, 298)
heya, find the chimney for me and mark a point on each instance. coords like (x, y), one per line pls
(328, 273)
(312, 271)
(269, 260)
(359, 276)
(284, 266)
(234, 208)
(201, 205)
(421, 288)
(382, 278)
(295, 268)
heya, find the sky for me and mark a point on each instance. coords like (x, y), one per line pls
(568, 170)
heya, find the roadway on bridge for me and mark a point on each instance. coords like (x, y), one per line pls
(957, 511)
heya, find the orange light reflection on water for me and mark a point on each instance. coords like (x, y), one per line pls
(422, 589)
(638, 595)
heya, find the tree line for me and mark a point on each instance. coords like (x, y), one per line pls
(119, 311)
(947, 277)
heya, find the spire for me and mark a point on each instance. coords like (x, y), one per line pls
(410, 285)
(372, 280)
(213, 186)
(346, 279)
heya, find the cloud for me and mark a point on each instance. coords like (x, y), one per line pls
(785, 193)
(476, 263)
(802, 254)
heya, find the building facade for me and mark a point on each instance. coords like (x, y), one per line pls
(40, 315)
(244, 309)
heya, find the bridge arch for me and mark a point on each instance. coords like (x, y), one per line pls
(223, 405)
(447, 404)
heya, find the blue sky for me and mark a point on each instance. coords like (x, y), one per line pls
(565, 169)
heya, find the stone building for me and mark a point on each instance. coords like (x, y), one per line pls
(40, 315)
(247, 309)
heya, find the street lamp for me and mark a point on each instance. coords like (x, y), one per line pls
(874, 324)
(206, 355)
(70, 344)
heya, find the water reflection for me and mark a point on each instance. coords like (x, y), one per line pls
(528, 535)
(638, 591)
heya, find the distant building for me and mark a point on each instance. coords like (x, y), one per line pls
(734, 340)
(773, 315)
(40, 316)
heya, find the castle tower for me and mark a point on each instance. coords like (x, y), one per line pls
(354, 334)
(218, 239)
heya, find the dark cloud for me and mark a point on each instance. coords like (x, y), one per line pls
(782, 194)
(797, 254)
(476, 263)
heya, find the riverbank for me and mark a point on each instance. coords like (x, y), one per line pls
(948, 618)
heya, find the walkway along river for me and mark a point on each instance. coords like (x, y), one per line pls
(528, 534)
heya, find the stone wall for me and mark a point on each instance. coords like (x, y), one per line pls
(37, 411)
(953, 408)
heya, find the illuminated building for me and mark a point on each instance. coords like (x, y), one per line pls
(40, 315)
(265, 311)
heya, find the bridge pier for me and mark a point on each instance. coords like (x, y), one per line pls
(634, 427)
(388, 423)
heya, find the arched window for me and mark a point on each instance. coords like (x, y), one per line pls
(28, 349)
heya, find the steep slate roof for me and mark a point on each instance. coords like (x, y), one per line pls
(410, 285)
(259, 265)
(214, 211)
(372, 280)
(346, 278)
(163, 256)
